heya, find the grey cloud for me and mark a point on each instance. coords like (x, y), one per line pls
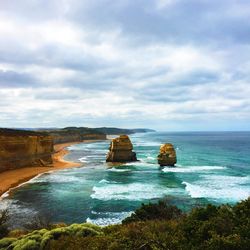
(217, 27)
(12, 79)
(179, 89)
(50, 56)
(32, 10)
(197, 77)
(186, 21)
(193, 21)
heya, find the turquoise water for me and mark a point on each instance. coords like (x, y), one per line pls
(212, 167)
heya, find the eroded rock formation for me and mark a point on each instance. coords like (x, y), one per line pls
(120, 150)
(167, 155)
(24, 148)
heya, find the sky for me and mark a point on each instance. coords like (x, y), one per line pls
(173, 65)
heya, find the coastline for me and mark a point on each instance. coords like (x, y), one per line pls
(17, 177)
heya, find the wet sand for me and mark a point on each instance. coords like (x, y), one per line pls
(13, 178)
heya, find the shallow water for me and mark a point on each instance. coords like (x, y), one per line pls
(212, 167)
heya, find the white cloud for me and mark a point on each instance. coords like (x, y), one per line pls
(97, 69)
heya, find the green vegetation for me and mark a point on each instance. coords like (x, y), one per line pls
(120, 131)
(80, 130)
(160, 211)
(71, 131)
(3, 223)
(41, 239)
(153, 226)
(20, 132)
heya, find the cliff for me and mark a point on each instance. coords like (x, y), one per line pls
(121, 131)
(21, 148)
(73, 134)
(24, 148)
(120, 150)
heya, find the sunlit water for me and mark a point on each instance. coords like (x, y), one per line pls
(212, 168)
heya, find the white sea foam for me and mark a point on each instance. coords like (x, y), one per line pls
(55, 178)
(106, 181)
(189, 169)
(141, 163)
(113, 218)
(112, 214)
(225, 180)
(146, 144)
(223, 188)
(76, 147)
(86, 146)
(119, 169)
(151, 158)
(104, 221)
(7, 193)
(134, 191)
(83, 159)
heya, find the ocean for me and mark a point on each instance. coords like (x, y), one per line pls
(212, 167)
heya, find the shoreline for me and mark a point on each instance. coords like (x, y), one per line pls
(15, 178)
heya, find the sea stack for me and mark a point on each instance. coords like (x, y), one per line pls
(120, 150)
(167, 155)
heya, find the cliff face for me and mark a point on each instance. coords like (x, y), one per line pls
(75, 134)
(63, 138)
(94, 137)
(122, 131)
(75, 137)
(22, 148)
(120, 150)
(167, 155)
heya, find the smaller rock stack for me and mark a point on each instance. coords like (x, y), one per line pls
(120, 150)
(167, 155)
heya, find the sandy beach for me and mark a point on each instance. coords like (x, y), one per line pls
(13, 178)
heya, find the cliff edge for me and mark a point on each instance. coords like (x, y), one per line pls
(20, 148)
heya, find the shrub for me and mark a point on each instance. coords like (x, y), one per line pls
(4, 243)
(159, 211)
(17, 233)
(25, 244)
(41, 239)
(4, 216)
(153, 226)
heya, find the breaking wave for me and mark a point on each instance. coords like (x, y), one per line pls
(219, 188)
(189, 169)
(119, 170)
(132, 192)
(108, 218)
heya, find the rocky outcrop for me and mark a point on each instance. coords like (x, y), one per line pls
(24, 148)
(120, 150)
(167, 155)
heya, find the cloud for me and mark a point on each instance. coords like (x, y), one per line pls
(12, 79)
(159, 63)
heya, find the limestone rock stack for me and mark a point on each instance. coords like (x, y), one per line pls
(167, 155)
(120, 150)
